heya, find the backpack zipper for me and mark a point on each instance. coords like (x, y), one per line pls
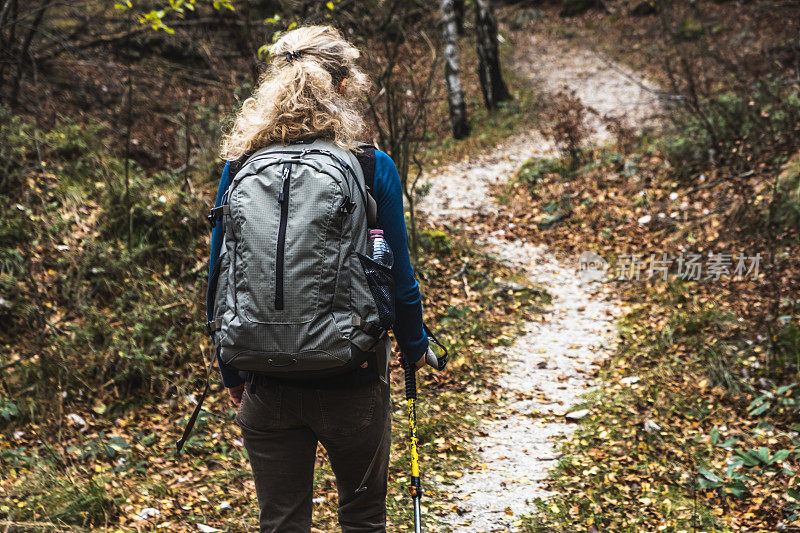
(329, 154)
(283, 200)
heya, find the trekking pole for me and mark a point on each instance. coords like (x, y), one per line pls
(438, 363)
(411, 397)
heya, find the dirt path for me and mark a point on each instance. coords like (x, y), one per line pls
(606, 88)
(548, 368)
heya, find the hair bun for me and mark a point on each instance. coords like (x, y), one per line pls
(292, 56)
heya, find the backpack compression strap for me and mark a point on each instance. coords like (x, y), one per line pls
(192, 419)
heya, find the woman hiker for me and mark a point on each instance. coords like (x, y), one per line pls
(307, 111)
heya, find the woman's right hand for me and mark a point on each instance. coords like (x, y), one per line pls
(399, 353)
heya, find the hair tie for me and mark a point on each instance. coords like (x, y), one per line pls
(291, 56)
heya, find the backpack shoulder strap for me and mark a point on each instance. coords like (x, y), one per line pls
(218, 211)
(366, 159)
(237, 165)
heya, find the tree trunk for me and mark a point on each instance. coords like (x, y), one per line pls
(455, 94)
(3, 14)
(492, 85)
(23, 54)
(5, 42)
(460, 9)
(250, 45)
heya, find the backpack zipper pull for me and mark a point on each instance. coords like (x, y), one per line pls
(285, 176)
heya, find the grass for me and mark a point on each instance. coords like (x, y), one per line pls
(87, 306)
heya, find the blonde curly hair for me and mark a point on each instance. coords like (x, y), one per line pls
(300, 95)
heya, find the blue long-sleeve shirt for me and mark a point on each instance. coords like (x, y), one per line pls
(388, 194)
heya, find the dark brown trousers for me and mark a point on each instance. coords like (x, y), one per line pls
(281, 426)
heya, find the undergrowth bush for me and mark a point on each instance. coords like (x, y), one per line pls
(65, 495)
(534, 170)
(86, 305)
(165, 221)
(568, 126)
(435, 240)
(667, 415)
(737, 127)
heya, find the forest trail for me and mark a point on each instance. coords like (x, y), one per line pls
(549, 367)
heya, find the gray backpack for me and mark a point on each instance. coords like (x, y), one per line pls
(297, 294)
(294, 291)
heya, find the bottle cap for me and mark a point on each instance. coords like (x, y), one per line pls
(376, 233)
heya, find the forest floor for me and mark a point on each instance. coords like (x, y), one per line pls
(551, 365)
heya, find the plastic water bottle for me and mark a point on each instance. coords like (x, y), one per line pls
(380, 251)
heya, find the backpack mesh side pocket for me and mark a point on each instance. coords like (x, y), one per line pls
(381, 284)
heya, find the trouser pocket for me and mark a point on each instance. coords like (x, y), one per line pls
(260, 410)
(347, 411)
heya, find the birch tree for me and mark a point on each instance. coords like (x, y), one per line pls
(492, 85)
(459, 8)
(455, 94)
